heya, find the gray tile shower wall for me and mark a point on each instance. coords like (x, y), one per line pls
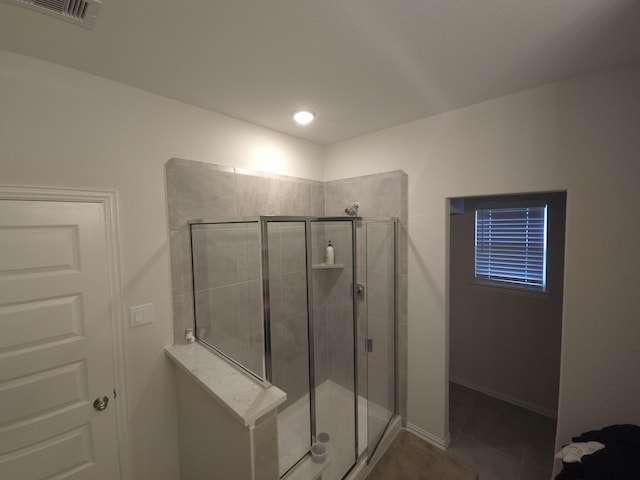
(379, 195)
(289, 322)
(228, 298)
(339, 304)
(257, 195)
(197, 190)
(320, 332)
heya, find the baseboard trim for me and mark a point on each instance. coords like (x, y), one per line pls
(438, 442)
(506, 398)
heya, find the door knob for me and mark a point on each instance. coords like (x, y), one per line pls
(100, 404)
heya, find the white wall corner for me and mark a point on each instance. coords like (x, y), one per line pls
(441, 443)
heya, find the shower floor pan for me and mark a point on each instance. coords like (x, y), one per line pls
(293, 428)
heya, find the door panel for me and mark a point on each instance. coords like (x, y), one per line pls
(41, 321)
(381, 308)
(31, 250)
(22, 397)
(70, 452)
(56, 352)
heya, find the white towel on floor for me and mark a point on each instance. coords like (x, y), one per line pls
(575, 451)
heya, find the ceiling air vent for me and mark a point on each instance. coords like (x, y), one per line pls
(80, 12)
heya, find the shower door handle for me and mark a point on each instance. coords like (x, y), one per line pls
(368, 345)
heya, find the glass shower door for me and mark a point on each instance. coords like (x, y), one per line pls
(380, 287)
(227, 296)
(289, 334)
(310, 306)
(334, 346)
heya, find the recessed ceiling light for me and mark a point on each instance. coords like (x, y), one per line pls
(303, 117)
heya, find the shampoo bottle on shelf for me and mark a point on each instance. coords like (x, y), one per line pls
(329, 255)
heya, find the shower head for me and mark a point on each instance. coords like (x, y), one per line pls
(353, 209)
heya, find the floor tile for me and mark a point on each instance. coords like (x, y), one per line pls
(490, 463)
(459, 412)
(504, 410)
(540, 443)
(505, 435)
(499, 439)
(461, 394)
(528, 472)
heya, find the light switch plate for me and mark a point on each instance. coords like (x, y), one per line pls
(141, 314)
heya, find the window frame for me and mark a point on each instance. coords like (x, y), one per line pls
(522, 281)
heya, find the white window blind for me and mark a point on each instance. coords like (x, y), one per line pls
(511, 246)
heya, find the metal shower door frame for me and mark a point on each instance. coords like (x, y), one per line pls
(264, 221)
(395, 222)
(265, 379)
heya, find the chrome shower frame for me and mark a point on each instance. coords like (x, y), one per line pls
(267, 377)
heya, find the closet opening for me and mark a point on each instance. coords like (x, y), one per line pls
(506, 272)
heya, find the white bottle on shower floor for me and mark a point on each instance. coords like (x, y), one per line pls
(329, 255)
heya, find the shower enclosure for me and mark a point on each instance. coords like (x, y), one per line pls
(325, 334)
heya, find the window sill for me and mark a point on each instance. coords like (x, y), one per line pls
(488, 287)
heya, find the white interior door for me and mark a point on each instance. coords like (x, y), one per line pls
(56, 354)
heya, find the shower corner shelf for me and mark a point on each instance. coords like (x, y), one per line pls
(324, 266)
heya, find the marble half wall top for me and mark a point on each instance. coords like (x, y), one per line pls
(244, 398)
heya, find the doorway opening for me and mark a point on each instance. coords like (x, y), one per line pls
(506, 271)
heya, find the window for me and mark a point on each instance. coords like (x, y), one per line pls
(511, 247)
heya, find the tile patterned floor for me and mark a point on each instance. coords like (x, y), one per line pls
(500, 440)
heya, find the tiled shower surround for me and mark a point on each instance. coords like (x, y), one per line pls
(379, 195)
(212, 192)
(228, 294)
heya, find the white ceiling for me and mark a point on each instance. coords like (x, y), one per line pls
(362, 65)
